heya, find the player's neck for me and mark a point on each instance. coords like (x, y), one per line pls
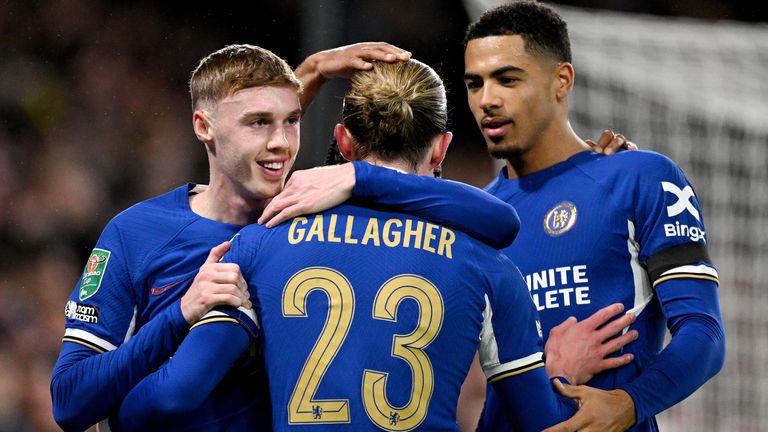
(554, 146)
(402, 166)
(223, 205)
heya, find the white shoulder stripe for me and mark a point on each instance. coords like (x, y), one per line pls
(693, 269)
(489, 349)
(84, 335)
(642, 285)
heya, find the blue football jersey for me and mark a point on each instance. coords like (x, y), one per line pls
(144, 261)
(370, 319)
(597, 230)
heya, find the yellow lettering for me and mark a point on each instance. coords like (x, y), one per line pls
(316, 229)
(348, 231)
(415, 233)
(392, 238)
(447, 237)
(332, 230)
(295, 234)
(371, 232)
(428, 237)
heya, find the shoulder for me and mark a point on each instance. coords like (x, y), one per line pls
(153, 221)
(257, 231)
(172, 204)
(629, 172)
(635, 162)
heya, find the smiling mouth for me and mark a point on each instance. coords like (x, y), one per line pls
(272, 166)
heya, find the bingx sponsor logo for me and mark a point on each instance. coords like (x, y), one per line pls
(683, 202)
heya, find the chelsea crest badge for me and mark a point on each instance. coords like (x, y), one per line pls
(560, 218)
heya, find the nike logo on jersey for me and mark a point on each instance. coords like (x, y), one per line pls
(683, 203)
(158, 291)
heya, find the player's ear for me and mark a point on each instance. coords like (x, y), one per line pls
(345, 142)
(202, 125)
(563, 82)
(440, 145)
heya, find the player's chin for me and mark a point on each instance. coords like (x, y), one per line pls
(265, 189)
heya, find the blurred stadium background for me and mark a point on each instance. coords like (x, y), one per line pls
(94, 116)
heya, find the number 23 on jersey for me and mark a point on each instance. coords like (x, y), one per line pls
(303, 408)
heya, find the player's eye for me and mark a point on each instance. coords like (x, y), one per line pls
(473, 84)
(293, 121)
(260, 122)
(508, 80)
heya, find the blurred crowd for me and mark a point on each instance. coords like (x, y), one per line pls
(94, 116)
(91, 121)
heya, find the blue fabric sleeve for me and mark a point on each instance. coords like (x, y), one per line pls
(183, 383)
(532, 401)
(452, 204)
(695, 353)
(86, 385)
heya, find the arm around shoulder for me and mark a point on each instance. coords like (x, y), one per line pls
(449, 203)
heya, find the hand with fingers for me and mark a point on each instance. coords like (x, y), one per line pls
(599, 410)
(577, 350)
(216, 284)
(310, 191)
(342, 62)
(610, 142)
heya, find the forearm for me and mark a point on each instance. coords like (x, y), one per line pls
(449, 203)
(531, 402)
(311, 79)
(694, 355)
(186, 380)
(86, 386)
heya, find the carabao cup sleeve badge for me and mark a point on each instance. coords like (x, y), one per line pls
(560, 218)
(94, 273)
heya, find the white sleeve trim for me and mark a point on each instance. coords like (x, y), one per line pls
(693, 269)
(522, 363)
(89, 337)
(247, 312)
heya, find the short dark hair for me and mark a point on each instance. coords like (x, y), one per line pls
(543, 29)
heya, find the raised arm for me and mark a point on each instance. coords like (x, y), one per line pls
(341, 62)
(453, 204)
